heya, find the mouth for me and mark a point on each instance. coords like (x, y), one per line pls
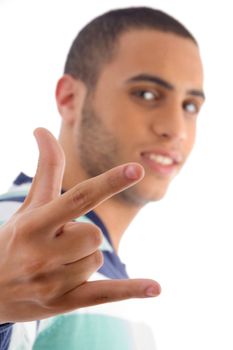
(162, 163)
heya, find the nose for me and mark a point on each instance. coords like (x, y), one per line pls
(170, 123)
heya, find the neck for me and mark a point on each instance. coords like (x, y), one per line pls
(116, 216)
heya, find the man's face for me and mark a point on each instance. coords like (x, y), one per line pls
(144, 109)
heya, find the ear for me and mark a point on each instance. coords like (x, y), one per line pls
(70, 95)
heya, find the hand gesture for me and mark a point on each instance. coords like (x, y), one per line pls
(46, 259)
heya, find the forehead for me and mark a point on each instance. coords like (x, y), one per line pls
(167, 55)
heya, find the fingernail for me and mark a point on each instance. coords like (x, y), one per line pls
(132, 172)
(152, 291)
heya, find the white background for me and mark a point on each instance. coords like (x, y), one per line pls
(184, 241)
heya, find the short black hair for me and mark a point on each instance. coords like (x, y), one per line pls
(95, 44)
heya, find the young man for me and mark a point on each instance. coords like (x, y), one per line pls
(131, 91)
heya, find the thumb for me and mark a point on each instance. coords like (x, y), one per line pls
(47, 182)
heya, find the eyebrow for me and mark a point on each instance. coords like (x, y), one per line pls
(198, 93)
(157, 80)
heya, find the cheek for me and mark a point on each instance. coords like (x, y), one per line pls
(191, 137)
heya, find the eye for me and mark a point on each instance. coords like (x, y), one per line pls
(191, 107)
(146, 95)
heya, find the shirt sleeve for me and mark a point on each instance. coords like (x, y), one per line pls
(5, 335)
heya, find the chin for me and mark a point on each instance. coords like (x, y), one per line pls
(139, 198)
(156, 197)
(153, 192)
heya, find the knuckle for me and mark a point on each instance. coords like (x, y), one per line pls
(95, 235)
(34, 267)
(126, 293)
(45, 292)
(113, 182)
(102, 299)
(18, 228)
(23, 225)
(41, 294)
(80, 198)
(98, 258)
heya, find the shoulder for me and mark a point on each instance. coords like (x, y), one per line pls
(14, 197)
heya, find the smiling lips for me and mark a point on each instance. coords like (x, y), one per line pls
(162, 163)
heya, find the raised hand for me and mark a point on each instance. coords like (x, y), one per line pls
(46, 259)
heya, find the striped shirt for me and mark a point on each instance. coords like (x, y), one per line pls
(5, 335)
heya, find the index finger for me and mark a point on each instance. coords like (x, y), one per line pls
(88, 194)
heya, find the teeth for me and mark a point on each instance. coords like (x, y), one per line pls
(161, 159)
